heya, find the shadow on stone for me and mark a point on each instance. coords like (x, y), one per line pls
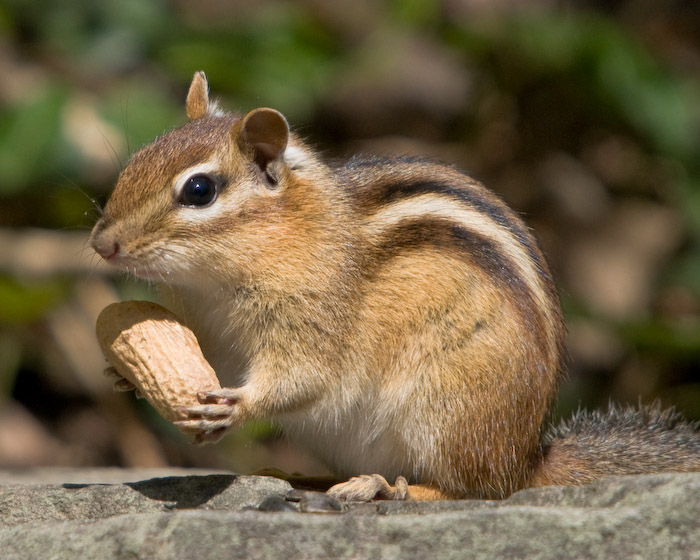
(184, 492)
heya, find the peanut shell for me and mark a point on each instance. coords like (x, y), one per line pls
(149, 346)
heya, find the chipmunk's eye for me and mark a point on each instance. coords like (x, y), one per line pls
(199, 191)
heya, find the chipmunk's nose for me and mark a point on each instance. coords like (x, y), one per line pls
(107, 248)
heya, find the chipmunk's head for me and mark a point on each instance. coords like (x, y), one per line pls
(212, 197)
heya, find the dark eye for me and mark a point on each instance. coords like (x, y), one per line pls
(199, 191)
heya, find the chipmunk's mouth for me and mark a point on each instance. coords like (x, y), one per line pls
(115, 255)
(150, 274)
(145, 268)
(120, 254)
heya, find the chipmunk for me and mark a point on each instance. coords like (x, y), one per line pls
(393, 315)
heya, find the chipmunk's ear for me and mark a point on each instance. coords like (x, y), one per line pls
(265, 132)
(197, 104)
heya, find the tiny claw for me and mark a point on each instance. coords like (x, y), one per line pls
(123, 385)
(209, 437)
(202, 434)
(208, 411)
(189, 426)
(223, 397)
(200, 421)
(120, 383)
(112, 373)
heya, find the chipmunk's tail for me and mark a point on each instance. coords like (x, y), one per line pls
(623, 440)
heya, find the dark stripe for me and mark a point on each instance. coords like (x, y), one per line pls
(472, 197)
(467, 191)
(444, 236)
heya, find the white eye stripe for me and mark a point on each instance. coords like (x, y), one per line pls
(181, 179)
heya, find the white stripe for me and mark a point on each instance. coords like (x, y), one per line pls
(436, 206)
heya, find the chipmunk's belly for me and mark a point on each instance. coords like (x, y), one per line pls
(352, 444)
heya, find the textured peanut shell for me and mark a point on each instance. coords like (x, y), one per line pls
(149, 346)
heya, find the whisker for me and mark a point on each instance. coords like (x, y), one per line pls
(116, 159)
(125, 122)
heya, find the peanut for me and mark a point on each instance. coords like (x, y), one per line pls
(149, 346)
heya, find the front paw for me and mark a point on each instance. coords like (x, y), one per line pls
(217, 412)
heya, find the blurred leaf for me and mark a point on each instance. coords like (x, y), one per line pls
(686, 398)
(608, 67)
(142, 111)
(663, 107)
(97, 37)
(28, 134)
(286, 61)
(686, 269)
(259, 430)
(677, 341)
(22, 302)
(71, 207)
(418, 13)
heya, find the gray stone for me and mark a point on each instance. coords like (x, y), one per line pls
(223, 516)
(22, 503)
(102, 475)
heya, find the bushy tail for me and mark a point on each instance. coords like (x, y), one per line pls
(623, 440)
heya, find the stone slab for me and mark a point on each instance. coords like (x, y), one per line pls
(218, 516)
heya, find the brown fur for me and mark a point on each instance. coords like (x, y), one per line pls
(393, 315)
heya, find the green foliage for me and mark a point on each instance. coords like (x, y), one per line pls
(609, 68)
(677, 342)
(281, 58)
(22, 302)
(25, 156)
(141, 111)
(416, 13)
(98, 37)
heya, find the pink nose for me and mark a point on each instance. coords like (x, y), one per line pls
(106, 250)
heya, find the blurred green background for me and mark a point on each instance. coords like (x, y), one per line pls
(584, 116)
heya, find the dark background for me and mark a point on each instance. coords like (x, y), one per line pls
(584, 116)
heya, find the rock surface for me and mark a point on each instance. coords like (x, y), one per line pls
(117, 513)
